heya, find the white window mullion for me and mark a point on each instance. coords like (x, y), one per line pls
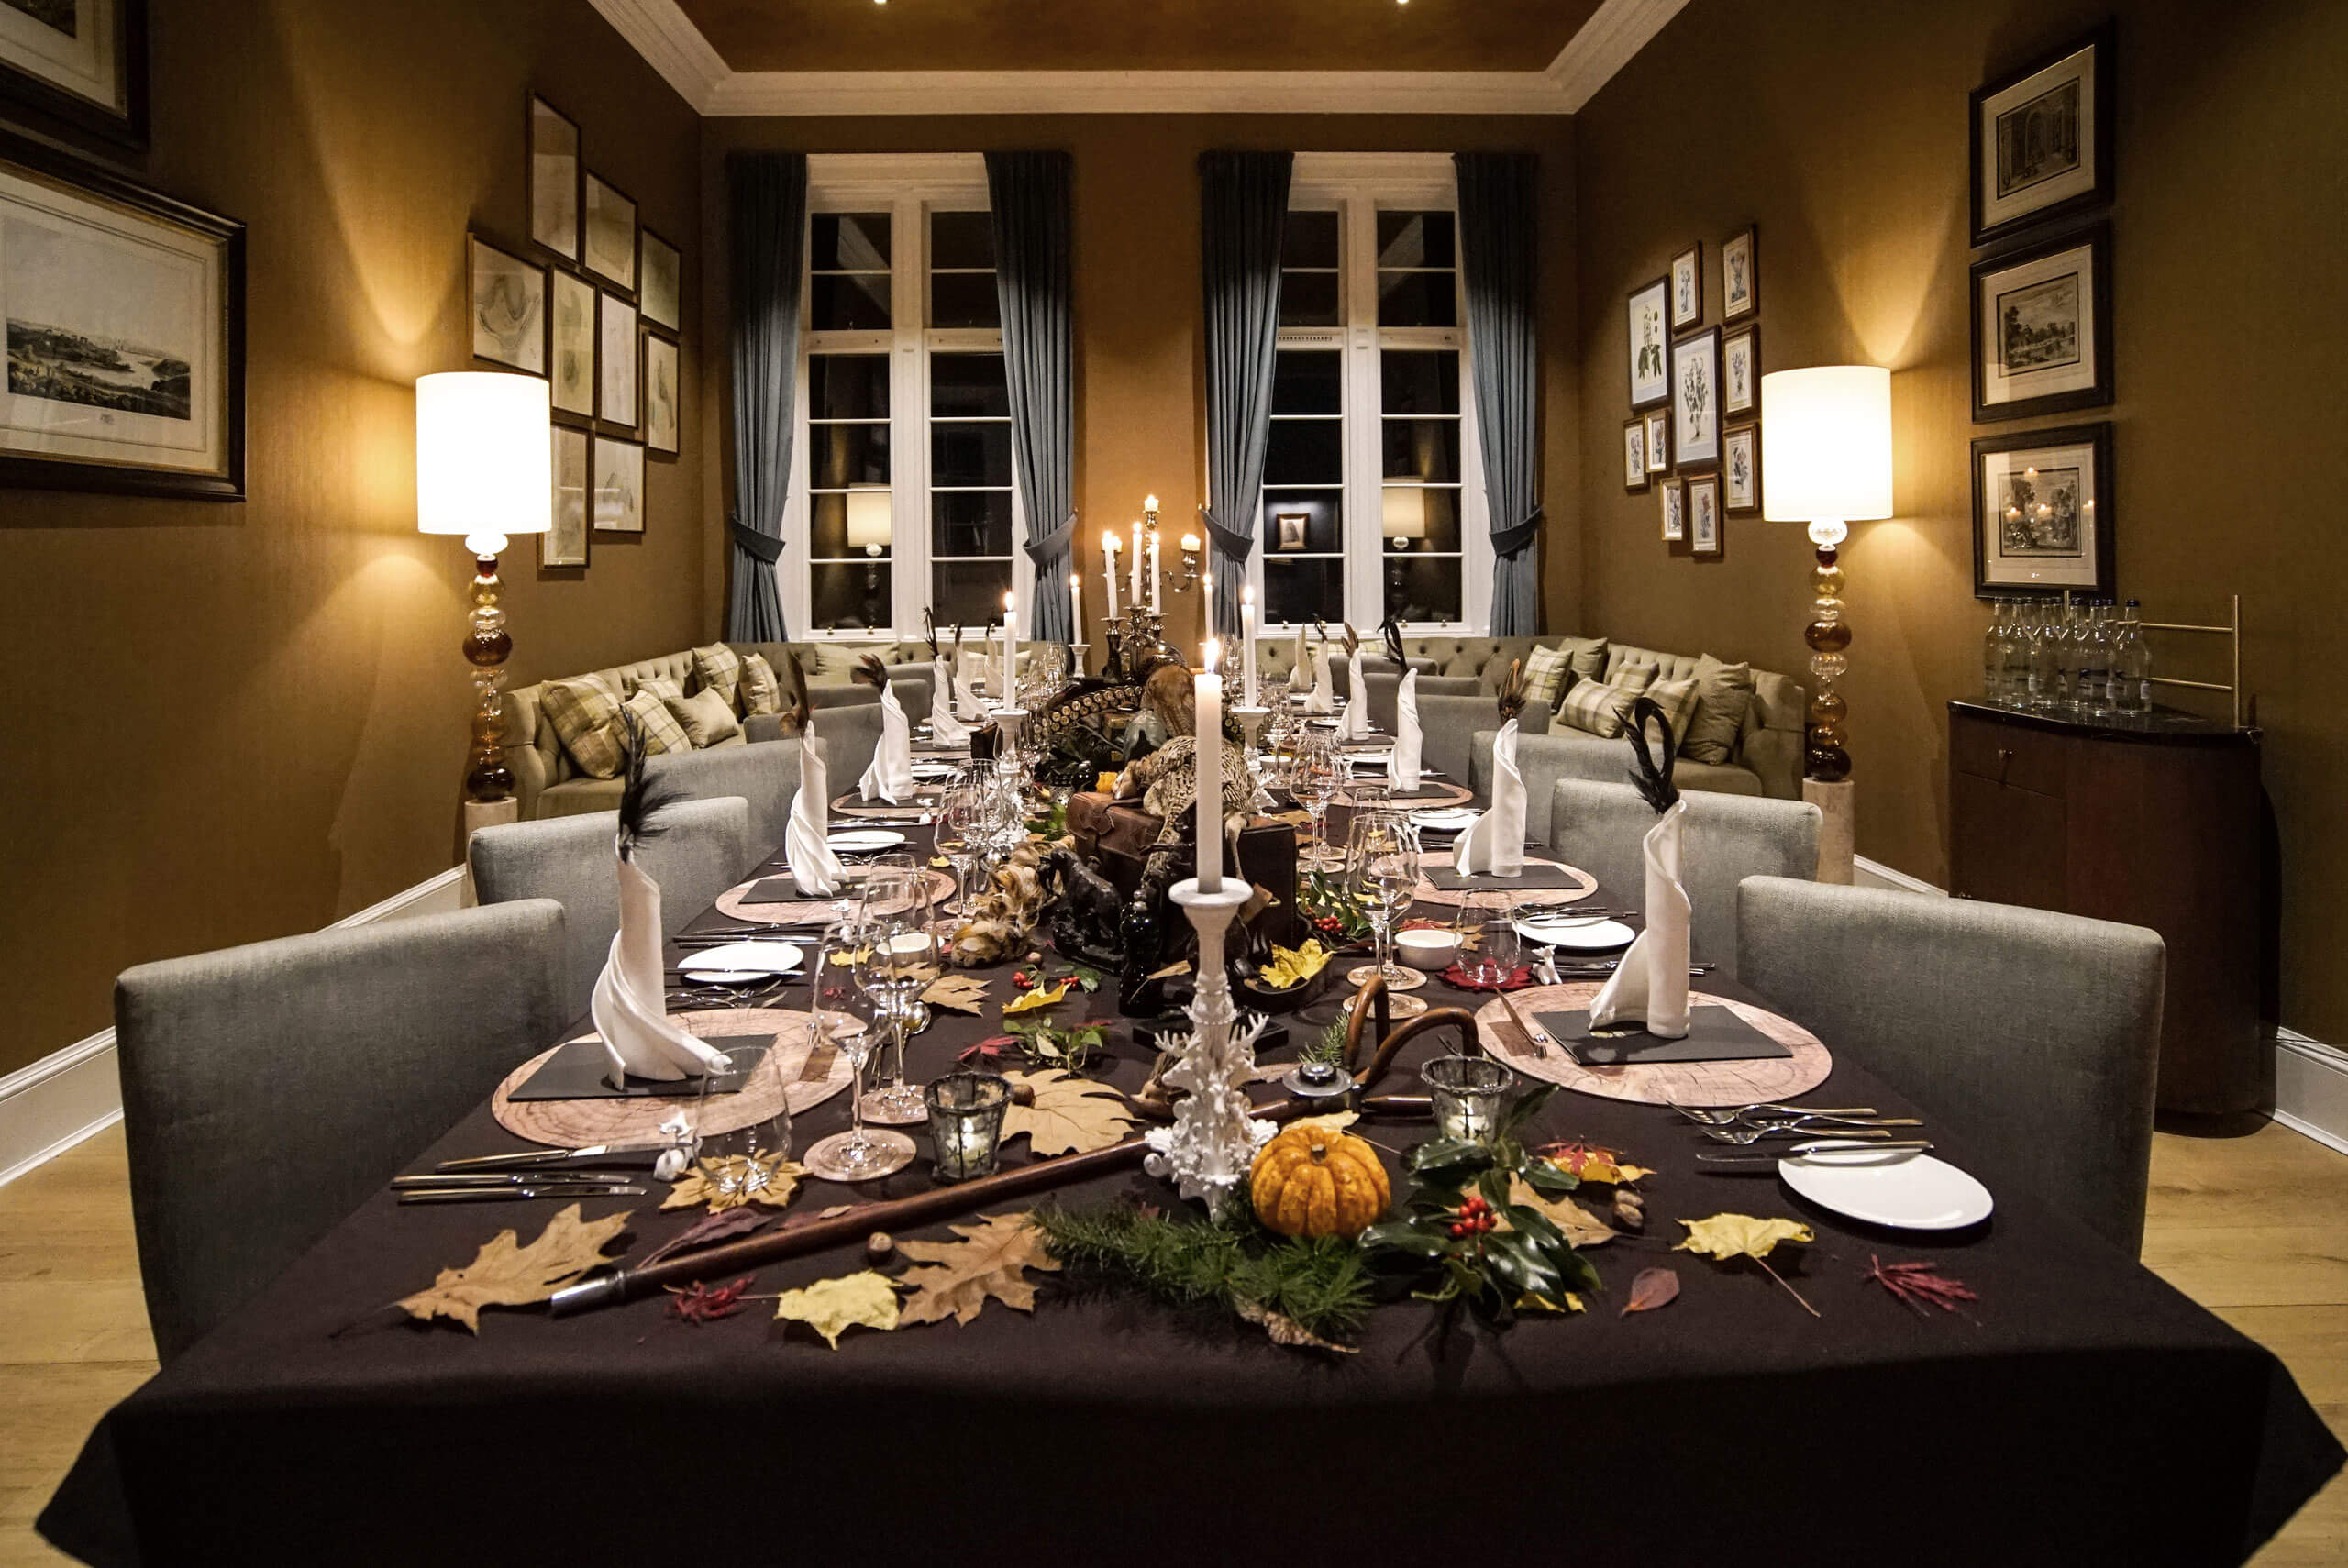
(1365, 540)
(909, 416)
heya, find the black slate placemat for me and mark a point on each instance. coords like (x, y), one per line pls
(1714, 1034)
(1539, 876)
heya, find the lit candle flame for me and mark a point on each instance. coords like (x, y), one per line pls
(1213, 652)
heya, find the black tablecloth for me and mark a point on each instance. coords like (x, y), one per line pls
(2082, 1412)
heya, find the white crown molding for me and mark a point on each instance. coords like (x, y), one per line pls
(665, 35)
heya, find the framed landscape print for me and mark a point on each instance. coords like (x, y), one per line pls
(509, 306)
(1671, 502)
(565, 544)
(554, 179)
(616, 399)
(2041, 327)
(1650, 340)
(1695, 399)
(660, 290)
(618, 496)
(660, 419)
(2042, 139)
(1741, 371)
(125, 313)
(609, 238)
(1658, 440)
(1634, 453)
(570, 349)
(2042, 511)
(81, 62)
(1740, 275)
(1741, 470)
(1688, 289)
(1704, 515)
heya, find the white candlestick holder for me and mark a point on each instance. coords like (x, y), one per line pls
(1209, 1149)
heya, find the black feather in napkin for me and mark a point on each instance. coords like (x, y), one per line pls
(1653, 784)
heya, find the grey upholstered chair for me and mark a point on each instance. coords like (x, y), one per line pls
(703, 848)
(267, 1090)
(1450, 724)
(1724, 839)
(2038, 1034)
(765, 775)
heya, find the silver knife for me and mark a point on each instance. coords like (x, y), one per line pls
(539, 1158)
(511, 1178)
(520, 1194)
(1826, 1147)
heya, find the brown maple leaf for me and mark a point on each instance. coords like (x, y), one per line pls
(503, 1274)
(1069, 1115)
(955, 1279)
(1581, 1228)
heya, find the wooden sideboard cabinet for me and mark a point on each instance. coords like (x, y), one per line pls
(2154, 822)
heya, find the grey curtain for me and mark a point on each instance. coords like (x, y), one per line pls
(1498, 222)
(1243, 211)
(767, 196)
(1028, 195)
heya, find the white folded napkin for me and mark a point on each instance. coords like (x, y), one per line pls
(1357, 725)
(967, 706)
(944, 727)
(891, 773)
(1408, 742)
(1650, 985)
(1493, 844)
(629, 1006)
(814, 865)
(1324, 685)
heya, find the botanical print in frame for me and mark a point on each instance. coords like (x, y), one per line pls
(82, 63)
(1695, 400)
(1704, 515)
(1671, 504)
(1741, 470)
(565, 544)
(1634, 453)
(619, 487)
(1648, 319)
(1741, 371)
(1688, 288)
(509, 306)
(2042, 139)
(126, 334)
(660, 288)
(1658, 440)
(616, 401)
(2041, 328)
(570, 353)
(660, 419)
(609, 248)
(1740, 275)
(2042, 511)
(554, 179)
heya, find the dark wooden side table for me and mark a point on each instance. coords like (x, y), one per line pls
(2152, 821)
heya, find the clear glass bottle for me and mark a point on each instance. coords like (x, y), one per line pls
(2094, 662)
(2132, 664)
(2065, 654)
(2040, 693)
(1993, 657)
(2015, 647)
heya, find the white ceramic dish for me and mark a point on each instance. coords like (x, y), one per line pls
(1444, 819)
(935, 769)
(1430, 950)
(1576, 933)
(742, 961)
(860, 841)
(1905, 1191)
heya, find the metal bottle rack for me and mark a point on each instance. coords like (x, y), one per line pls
(2231, 632)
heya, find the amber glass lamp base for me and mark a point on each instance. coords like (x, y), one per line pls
(485, 648)
(1828, 636)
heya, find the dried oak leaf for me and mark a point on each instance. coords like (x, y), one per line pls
(695, 1187)
(1582, 1227)
(955, 1279)
(1037, 1000)
(963, 993)
(1726, 1236)
(1654, 1288)
(1069, 1115)
(505, 1275)
(831, 1307)
(1286, 1330)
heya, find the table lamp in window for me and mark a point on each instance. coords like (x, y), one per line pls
(484, 469)
(868, 535)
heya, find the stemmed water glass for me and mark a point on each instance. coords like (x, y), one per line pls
(1382, 879)
(1314, 778)
(961, 824)
(893, 967)
(844, 1015)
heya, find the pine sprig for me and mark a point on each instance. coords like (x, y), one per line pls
(1321, 1284)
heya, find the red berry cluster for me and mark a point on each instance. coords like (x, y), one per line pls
(1476, 1217)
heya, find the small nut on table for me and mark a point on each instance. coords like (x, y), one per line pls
(879, 1245)
(1023, 1094)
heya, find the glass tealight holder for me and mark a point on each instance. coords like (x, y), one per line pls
(966, 1123)
(1468, 1091)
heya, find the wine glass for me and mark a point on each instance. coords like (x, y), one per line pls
(1382, 879)
(895, 967)
(961, 819)
(845, 1017)
(1315, 780)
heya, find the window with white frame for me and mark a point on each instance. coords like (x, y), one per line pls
(1373, 490)
(901, 494)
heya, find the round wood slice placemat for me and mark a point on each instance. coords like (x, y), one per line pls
(1431, 792)
(924, 806)
(1660, 1083)
(1501, 897)
(731, 901)
(807, 1079)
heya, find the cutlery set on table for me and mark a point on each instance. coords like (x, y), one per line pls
(533, 1174)
(1847, 1159)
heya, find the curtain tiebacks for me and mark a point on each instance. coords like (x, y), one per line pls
(1509, 541)
(1043, 547)
(766, 547)
(1236, 546)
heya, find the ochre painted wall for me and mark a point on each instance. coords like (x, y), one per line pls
(239, 720)
(1140, 375)
(1839, 126)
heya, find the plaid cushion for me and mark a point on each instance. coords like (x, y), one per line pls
(706, 718)
(761, 689)
(660, 687)
(1723, 696)
(1601, 708)
(1545, 676)
(661, 732)
(1678, 701)
(719, 669)
(585, 713)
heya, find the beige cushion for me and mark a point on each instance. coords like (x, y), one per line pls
(719, 669)
(1585, 655)
(706, 718)
(761, 689)
(585, 713)
(1724, 693)
(841, 658)
(1603, 708)
(661, 732)
(1545, 674)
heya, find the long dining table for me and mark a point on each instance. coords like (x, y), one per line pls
(2080, 1410)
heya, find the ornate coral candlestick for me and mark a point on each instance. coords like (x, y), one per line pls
(1207, 1151)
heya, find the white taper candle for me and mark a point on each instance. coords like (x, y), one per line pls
(1209, 757)
(1247, 645)
(1009, 657)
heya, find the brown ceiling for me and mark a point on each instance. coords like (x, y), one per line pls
(1138, 35)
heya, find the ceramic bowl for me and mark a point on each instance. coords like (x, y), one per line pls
(1431, 950)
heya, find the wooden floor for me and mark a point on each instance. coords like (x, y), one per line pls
(2255, 1227)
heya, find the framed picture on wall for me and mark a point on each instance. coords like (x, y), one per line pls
(1741, 371)
(1688, 289)
(571, 349)
(1740, 275)
(1695, 399)
(1658, 440)
(1291, 527)
(1704, 515)
(78, 62)
(661, 423)
(1650, 343)
(2041, 327)
(1741, 470)
(617, 402)
(125, 313)
(1671, 504)
(554, 179)
(565, 544)
(618, 500)
(609, 238)
(2042, 511)
(2042, 139)
(660, 291)
(1635, 471)
(509, 306)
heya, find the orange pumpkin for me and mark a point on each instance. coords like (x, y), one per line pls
(1313, 1181)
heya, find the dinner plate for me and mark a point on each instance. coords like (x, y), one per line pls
(858, 841)
(742, 961)
(936, 769)
(1379, 760)
(1446, 819)
(1577, 933)
(1905, 1191)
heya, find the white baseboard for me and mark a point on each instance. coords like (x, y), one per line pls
(2311, 1089)
(48, 1106)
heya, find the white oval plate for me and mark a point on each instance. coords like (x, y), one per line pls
(1577, 933)
(742, 961)
(858, 840)
(935, 769)
(1446, 819)
(1905, 1191)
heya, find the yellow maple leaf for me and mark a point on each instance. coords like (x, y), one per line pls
(831, 1307)
(1040, 997)
(1726, 1236)
(1533, 1301)
(1066, 1114)
(694, 1187)
(1292, 966)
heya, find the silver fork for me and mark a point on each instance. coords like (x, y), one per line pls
(1797, 1128)
(1729, 1118)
